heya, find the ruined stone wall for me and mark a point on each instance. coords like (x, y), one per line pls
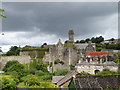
(22, 53)
(21, 59)
(74, 57)
(67, 55)
(70, 56)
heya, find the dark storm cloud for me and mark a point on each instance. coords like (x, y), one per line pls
(57, 18)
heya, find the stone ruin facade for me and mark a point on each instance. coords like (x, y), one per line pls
(21, 59)
(78, 57)
(67, 55)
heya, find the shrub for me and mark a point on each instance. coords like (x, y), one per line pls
(31, 80)
(47, 77)
(57, 61)
(40, 73)
(8, 83)
(41, 67)
(72, 66)
(14, 66)
(19, 68)
(49, 85)
(32, 70)
(9, 64)
(61, 72)
(108, 72)
(14, 75)
(84, 73)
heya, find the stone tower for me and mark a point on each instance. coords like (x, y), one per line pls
(71, 36)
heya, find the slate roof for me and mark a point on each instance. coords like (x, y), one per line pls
(67, 78)
(55, 79)
(97, 82)
(83, 45)
(110, 63)
(116, 51)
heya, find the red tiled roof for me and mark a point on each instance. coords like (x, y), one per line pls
(98, 53)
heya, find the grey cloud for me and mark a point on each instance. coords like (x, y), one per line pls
(57, 18)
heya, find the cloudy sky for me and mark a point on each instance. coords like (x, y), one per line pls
(35, 23)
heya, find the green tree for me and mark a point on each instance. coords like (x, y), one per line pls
(37, 64)
(40, 73)
(19, 68)
(31, 80)
(14, 66)
(112, 39)
(97, 39)
(9, 64)
(77, 41)
(8, 83)
(82, 41)
(14, 50)
(46, 77)
(88, 39)
(93, 40)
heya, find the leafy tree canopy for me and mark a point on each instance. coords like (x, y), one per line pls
(31, 80)
(9, 64)
(14, 50)
(8, 83)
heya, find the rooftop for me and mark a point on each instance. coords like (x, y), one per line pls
(97, 53)
(97, 82)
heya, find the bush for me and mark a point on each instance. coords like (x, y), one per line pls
(14, 50)
(108, 72)
(42, 67)
(40, 73)
(61, 72)
(32, 70)
(57, 61)
(31, 80)
(84, 73)
(49, 85)
(19, 68)
(47, 77)
(14, 75)
(8, 83)
(9, 64)
(72, 66)
(14, 66)
(38, 65)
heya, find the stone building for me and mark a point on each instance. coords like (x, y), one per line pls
(68, 55)
(84, 56)
(95, 62)
(65, 54)
(71, 36)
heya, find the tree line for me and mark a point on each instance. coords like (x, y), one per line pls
(93, 39)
